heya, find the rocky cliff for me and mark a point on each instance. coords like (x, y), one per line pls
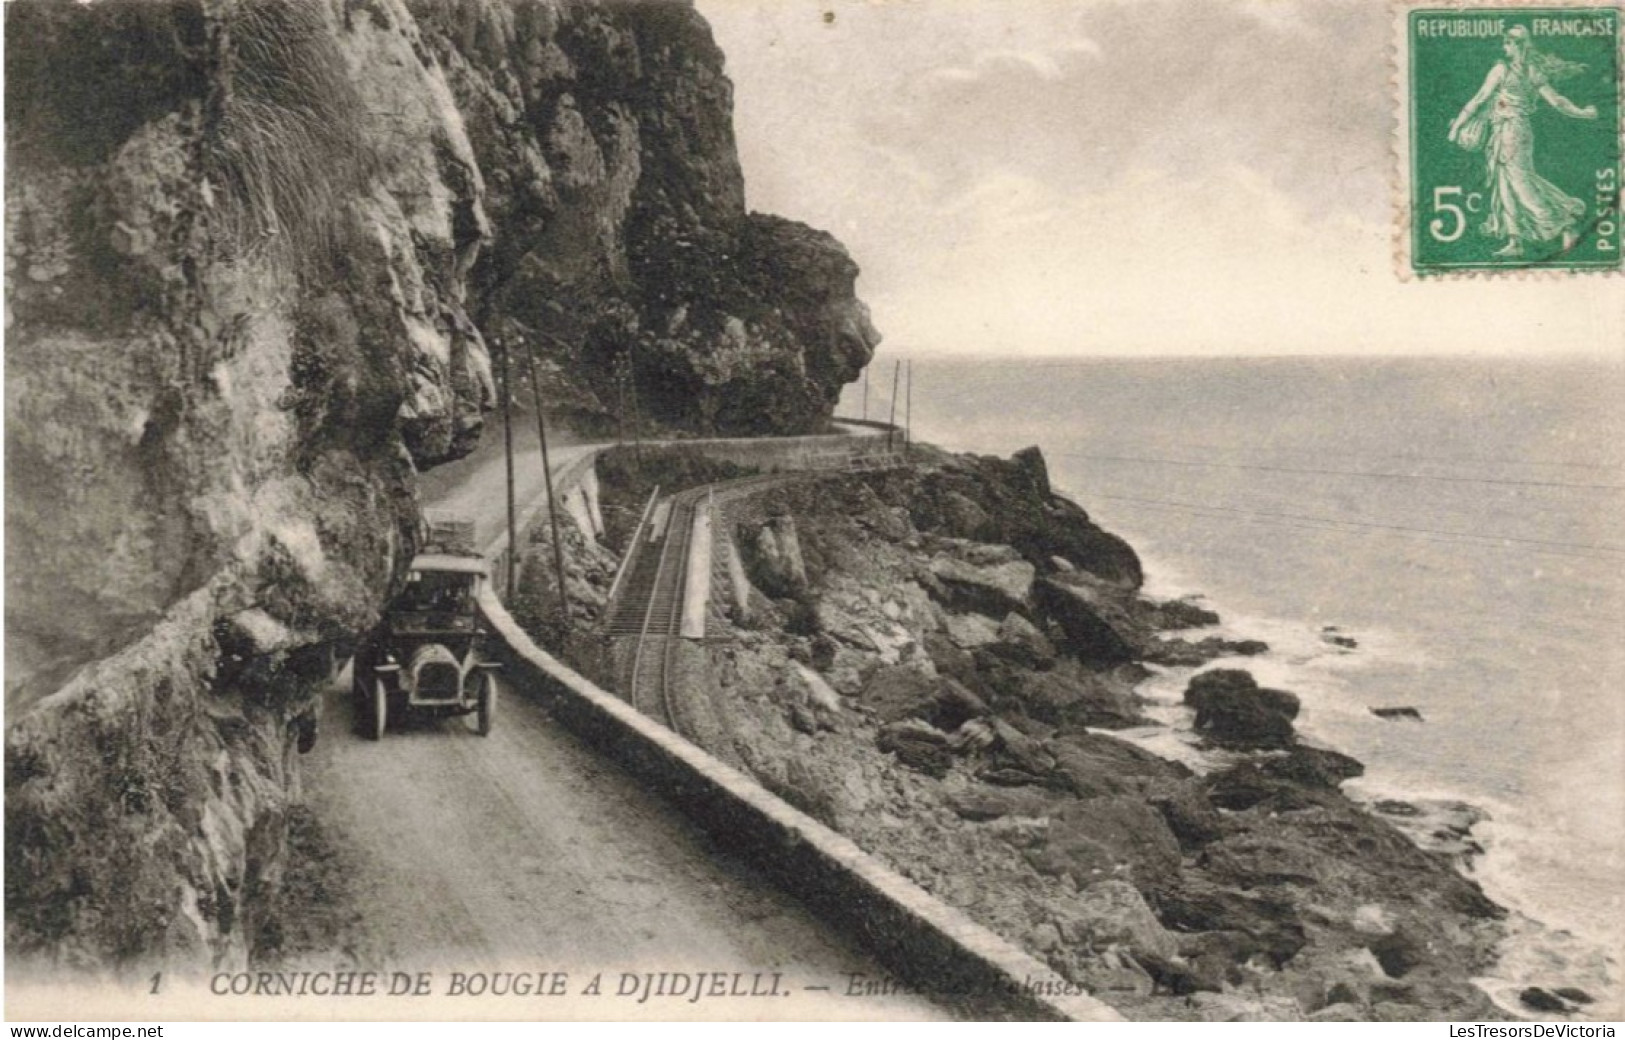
(255, 252)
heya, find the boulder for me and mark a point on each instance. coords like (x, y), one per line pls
(1240, 924)
(773, 558)
(1339, 1012)
(956, 704)
(1188, 814)
(818, 692)
(1074, 701)
(1097, 838)
(1015, 750)
(1312, 766)
(1542, 1000)
(990, 803)
(1019, 640)
(1097, 617)
(1112, 912)
(896, 692)
(969, 631)
(1091, 764)
(1182, 653)
(1398, 953)
(1176, 614)
(918, 745)
(1247, 785)
(961, 517)
(1231, 708)
(976, 580)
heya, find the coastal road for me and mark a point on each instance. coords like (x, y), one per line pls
(526, 850)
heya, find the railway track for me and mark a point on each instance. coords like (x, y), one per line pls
(649, 607)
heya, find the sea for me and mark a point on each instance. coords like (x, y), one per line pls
(1460, 520)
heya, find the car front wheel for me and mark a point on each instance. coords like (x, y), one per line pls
(380, 710)
(487, 703)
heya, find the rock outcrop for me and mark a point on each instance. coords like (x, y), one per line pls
(624, 250)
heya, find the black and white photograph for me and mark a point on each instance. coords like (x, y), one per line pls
(898, 511)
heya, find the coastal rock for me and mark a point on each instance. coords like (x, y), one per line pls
(1176, 614)
(1340, 1012)
(1239, 925)
(1285, 781)
(963, 518)
(773, 561)
(1231, 708)
(991, 803)
(895, 692)
(1191, 817)
(1071, 700)
(969, 631)
(1113, 912)
(918, 745)
(986, 579)
(1537, 999)
(1014, 494)
(1091, 764)
(1182, 653)
(1330, 634)
(1097, 617)
(1096, 838)
(1020, 641)
(1398, 953)
(1397, 713)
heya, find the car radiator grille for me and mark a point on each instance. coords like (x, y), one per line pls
(438, 682)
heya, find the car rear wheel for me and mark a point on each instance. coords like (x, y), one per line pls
(380, 710)
(487, 703)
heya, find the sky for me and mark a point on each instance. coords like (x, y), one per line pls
(1115, 177)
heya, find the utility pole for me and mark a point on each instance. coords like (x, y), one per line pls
(507, 451)
(620, 413)
(552, 506)
(896, 372)
(908, 410)
(637, 416)
(866, 391)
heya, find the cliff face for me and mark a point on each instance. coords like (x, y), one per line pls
(625, 250)
(252, 248)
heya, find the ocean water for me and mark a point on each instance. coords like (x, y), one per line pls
(1462, 519)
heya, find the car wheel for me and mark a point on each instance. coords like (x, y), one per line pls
(360, 702)
(487, 704)
(380, 710)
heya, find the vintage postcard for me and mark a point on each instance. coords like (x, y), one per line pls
(823, 510)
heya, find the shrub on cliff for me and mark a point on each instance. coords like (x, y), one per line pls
(291, 147)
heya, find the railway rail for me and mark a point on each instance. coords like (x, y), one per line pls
(649, 607)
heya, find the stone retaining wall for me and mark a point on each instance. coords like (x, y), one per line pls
(930, 946)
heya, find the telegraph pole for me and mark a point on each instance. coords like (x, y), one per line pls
(637, 415)
(897, 370)
(552, 506)
(507, 452)
(866, 391)
(908, 410)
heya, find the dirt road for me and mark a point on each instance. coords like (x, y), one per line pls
(527, 851)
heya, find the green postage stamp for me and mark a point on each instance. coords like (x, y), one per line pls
(1510, 137)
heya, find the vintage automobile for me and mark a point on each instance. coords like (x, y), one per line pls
(426, 654)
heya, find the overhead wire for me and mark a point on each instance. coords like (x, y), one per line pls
(1563, 548)
(1340, 472)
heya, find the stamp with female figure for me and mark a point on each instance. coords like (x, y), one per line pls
(1512, 145)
